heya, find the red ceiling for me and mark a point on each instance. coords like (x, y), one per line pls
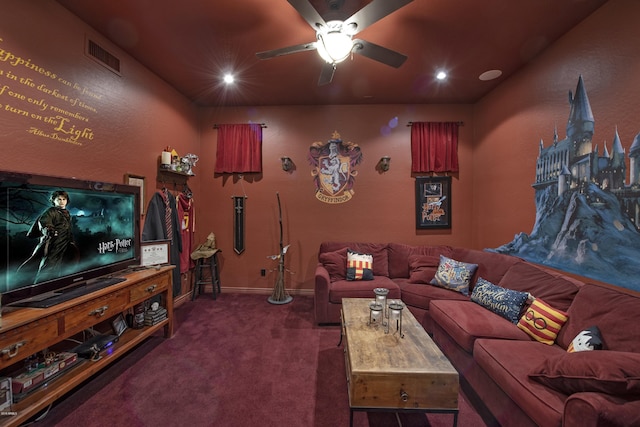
(191, 43)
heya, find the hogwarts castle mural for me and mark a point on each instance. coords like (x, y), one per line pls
(587, 215)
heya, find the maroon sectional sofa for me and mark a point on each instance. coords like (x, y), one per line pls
(515, 380)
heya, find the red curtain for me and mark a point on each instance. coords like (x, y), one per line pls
(239, 148)
(434, 147)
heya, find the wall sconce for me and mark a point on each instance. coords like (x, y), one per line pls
(384, 163)
(287, 164)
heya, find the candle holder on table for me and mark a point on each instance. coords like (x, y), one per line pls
(381, 298)
(395, 318)
(376, 314)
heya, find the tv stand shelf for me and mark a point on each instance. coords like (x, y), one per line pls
(25, 331)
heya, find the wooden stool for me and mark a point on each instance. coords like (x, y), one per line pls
(212, 278)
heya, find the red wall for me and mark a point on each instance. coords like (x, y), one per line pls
(383, 205)
(138, 114)
(512, 119)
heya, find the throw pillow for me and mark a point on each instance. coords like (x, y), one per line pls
(505, 302)
(454, 275)
(359, 266)
(422, 268)
(542, 322)
(336, 263)
(587, 340)
(611, 372)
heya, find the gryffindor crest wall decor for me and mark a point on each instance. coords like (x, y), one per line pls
(333, 168)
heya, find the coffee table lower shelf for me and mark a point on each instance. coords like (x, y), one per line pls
(454, 412)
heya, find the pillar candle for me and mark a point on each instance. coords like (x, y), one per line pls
(166, 158)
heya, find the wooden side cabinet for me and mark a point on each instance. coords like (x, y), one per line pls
(25, 331)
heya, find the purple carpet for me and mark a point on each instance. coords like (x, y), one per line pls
(237, 361)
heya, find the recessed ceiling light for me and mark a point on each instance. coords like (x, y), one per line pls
(228, 78)
(441, 75)
(490, 75)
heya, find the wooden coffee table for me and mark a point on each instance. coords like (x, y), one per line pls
(388, 373)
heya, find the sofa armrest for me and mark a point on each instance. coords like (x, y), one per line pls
(321, 294)
(591, 409)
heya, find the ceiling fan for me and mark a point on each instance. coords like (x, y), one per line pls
(334, 39)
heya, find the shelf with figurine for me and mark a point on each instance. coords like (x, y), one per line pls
(172, 167)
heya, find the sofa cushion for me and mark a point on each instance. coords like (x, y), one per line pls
(542, 322)
(335, 262)
(547, 285)
(587, 340)
(420, 295)
(359, 266)
(399, 254)
(611, 310)
(359, 289)
(466, 321)
(378, 250)
(491, 265)
(422, 268)
(611, 372)
(508, 364)
(454, 275)
(504, 302)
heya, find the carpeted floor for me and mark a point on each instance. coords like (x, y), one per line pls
(238, 361)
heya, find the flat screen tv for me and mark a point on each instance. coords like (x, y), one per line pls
(49, 249)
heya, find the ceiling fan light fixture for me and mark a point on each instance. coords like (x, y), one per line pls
(334, 46)
(334, 41)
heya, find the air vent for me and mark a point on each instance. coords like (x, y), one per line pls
(99, 54)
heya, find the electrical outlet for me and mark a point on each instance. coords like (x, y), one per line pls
(263, 272)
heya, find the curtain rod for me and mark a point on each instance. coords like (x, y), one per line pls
(262, 125)
(458, 123)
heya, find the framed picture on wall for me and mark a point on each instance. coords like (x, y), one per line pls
(138, 181)
(433, 202)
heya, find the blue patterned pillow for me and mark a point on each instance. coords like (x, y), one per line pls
(454, 275)
(505, 302)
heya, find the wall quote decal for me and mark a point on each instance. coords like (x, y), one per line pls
(54, 107)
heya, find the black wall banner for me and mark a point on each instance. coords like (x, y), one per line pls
(238, 223)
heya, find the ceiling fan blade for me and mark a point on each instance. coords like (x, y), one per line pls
(378, 53)
(286, 50)
(309, 13)
(371, 13)
(326, 75)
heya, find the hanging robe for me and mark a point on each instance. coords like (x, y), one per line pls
(187, 215)
(161, 223)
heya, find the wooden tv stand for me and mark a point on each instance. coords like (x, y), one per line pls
(25, 331)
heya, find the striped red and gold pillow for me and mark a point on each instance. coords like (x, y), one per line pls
(359, 266)
(542, 322)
